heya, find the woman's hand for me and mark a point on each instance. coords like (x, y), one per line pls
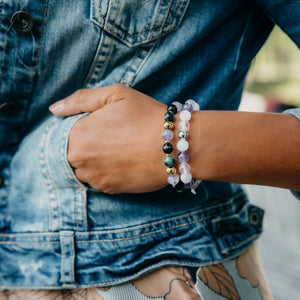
(117, 148)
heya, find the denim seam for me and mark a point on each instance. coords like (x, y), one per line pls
(242, 40)
(146, 36)
(145, 270)
(73, 255)
(145, 32)
(175, 218)
(47, 179)
(28, 243)
(127, 238)
(240, 244)
(66, 257)
(127, 229)
(151, 232)
(170, 262)
(135, 68)
(219, 218)
(37, 59)
(100, 60)
(76, 210)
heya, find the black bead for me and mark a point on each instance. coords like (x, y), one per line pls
(169, 117)
(167, 148)
(179, 187)
(172, 108)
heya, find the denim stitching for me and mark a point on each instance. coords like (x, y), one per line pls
(148, 233)
(119, 231)
(127, 238)
(76, 210)
(27, 243)
(72, 254)
(175, 218)
(241, 243)
(242, 40)
(159, 30)
(100, 61)
(134, 68)
(37, 58)
(47, 179)
(145, 270)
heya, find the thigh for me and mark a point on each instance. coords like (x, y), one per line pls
(238, 279)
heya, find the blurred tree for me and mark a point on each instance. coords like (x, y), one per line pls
(275, 72)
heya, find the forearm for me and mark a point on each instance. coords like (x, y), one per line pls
(241, 147)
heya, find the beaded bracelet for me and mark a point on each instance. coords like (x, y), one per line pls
(183, 145)
(167, 136)
(185, 180)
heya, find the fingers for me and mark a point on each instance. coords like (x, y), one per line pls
(88, 100)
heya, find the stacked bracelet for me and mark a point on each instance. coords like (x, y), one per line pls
(183, 145)
(185, 180)
(167, 136)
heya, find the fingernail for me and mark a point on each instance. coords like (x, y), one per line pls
(57, 107)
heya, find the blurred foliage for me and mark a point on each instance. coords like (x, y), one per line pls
(275, 72)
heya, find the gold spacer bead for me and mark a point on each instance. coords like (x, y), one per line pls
(171, 171)
(168, 125)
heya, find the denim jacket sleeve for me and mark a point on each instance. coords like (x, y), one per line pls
(285, 14)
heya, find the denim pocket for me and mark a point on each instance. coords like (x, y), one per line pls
(138, 22)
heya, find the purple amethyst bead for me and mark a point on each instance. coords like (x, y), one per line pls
(183, 157)
(167, 135)
(188, 106)
(190, 185)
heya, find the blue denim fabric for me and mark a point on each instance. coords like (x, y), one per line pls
(54, 231)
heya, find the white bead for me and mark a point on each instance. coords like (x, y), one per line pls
(182, 145)
(185, 115)
(184, 168)
(173, 179)
(184, 125)
(186, 177)
(194, 104)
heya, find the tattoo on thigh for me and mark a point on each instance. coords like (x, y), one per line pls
(217, 279)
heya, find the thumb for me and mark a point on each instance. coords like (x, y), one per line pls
(88, 100)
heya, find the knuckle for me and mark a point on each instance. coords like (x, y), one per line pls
(74, 158)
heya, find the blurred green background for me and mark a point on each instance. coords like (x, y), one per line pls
(275, 72)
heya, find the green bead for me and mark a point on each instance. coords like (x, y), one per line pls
(169, 161)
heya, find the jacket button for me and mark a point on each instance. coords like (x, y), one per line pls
(9, 109)
(255, 217)
(1, 181)
(22, 21)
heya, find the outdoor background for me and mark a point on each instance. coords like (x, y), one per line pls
(273, 84)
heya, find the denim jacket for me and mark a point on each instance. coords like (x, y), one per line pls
(54, 231)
